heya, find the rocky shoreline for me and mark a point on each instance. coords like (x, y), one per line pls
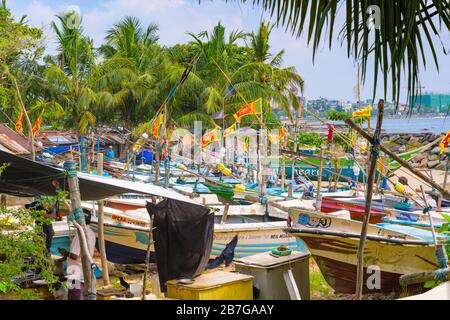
(429, 159)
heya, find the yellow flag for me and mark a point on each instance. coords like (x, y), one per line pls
(229, 131)
(363, 113)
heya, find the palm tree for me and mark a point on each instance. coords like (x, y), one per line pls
(397, 46)
(133, 67)
(284, 80)
(225, 63)
(71, 78)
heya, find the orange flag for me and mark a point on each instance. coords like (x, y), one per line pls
(209, 138)
(19, 127)
(37, 125)
(252, 108)
(282, 133)
(156, 125)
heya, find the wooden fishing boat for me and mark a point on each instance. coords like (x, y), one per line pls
(391, 250)
(330, 204)
(126, 232)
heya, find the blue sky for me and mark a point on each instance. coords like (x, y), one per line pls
(332, 75)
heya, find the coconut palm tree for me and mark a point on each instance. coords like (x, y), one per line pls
(246, 68)
(131, 71)
(72, 75)
(394, 35)
(285, 80)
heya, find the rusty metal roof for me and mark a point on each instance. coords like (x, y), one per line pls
(13, 142)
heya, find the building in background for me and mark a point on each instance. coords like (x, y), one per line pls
(432, 103)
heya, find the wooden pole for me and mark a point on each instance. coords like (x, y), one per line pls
(147, 261)
(75, 199)
(101, 230)
(402, 162)
(369, 194)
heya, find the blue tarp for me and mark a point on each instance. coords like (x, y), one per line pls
(61, 149)
(145, 156)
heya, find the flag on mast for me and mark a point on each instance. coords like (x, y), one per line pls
(37, 125)
(19, 126)
(252, 108)
(444, 143)
(230, 130)
(363, 112)
(209, 138)
(156, 125)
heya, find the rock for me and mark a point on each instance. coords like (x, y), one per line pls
(414, 140)
(394, 138)
(433, 157)
(420, 157)
(432, 164)
(423, 163)
(402, 141)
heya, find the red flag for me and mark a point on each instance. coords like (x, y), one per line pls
(330, 132)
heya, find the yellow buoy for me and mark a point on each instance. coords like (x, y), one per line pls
(181, 166)
(223, 169)
(239, 188)
(399, 188)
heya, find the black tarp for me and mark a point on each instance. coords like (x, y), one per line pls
(24, 177)
(183, 235)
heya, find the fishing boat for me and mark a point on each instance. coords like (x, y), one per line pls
(393, 250)
(126, 232)
(357, 210)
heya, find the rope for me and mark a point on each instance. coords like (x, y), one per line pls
(76, 215)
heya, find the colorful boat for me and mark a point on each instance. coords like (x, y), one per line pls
(126, 233)
(391, 250)
(330, 204)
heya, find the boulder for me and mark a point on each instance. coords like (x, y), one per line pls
(414, 140)
(423, 163)
(433, 157)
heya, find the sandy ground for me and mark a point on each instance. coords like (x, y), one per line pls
(436, 175)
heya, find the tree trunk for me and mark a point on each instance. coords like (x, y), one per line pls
(75, 200)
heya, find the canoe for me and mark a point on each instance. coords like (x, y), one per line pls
(391, 250)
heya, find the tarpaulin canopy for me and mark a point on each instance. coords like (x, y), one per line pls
(183, 238)
(24, 177)
(61, 149)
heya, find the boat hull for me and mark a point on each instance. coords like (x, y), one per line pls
(337, 260)
(128, 245)
(330, 205)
